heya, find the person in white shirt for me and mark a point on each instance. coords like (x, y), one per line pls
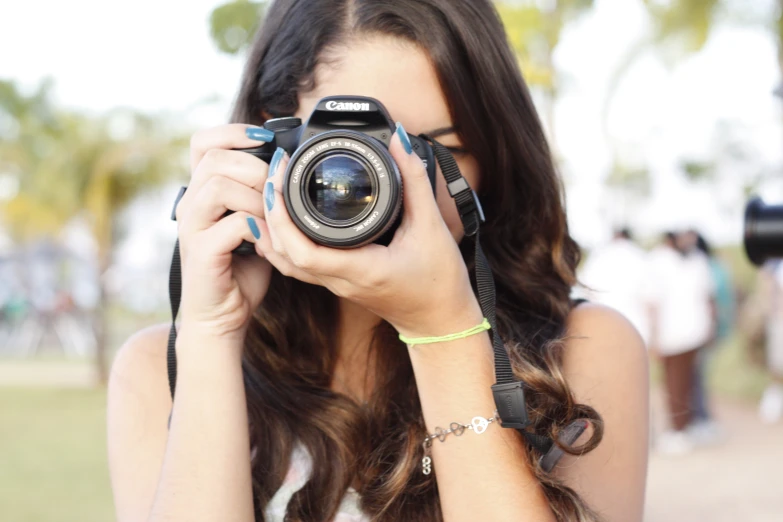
(614, 275)
(679, 296)
(771, 405)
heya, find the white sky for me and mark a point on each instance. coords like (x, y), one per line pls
(157, 56)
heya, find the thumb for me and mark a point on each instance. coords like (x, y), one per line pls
(418, 196)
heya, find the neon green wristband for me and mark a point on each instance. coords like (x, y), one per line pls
(483, 327)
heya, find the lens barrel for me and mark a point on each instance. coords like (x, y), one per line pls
(343, 189)
(763, 231)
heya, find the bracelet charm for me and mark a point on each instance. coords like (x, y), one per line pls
(478, 424)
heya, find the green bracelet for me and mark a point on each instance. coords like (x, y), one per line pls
(483, 327)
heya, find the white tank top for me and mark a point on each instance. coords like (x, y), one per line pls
(296, 478)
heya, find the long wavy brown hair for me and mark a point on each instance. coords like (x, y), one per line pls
(291, 350)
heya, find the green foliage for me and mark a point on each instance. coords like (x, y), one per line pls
(629, 179)
(233, 25)
(686, 22)
(779, 33)
(698, 170)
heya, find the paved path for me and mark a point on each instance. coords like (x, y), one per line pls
(740, 479)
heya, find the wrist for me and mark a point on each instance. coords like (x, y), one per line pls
(203, 346)
(445, 321)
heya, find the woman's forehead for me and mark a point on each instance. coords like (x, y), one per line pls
(397, 73)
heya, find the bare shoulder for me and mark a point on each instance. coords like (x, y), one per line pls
(137, 415)
(140, 364)
(599, 339)
(605, 364)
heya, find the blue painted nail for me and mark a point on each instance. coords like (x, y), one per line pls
(279, 153)
(259, 134)
(269, 195)
(254, 227)
(406, 142)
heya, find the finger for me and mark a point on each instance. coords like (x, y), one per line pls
(218, 195)
(229, 136)
(293, 244)
(281, 263)
(269, 201)
(237, 165)
(418, 199)
(226, 235)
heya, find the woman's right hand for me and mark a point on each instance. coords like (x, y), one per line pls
(220, 290)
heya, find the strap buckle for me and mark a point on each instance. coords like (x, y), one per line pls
(510, 403)
(470, 210)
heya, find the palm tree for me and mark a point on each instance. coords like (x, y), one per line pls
(69, 165)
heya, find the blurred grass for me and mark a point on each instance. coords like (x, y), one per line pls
(732, 374)
(53, 464)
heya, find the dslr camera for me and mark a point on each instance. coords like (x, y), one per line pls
(342, 188)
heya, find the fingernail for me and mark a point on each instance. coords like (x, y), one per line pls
(406, 142)
(259, 134)
(254, 227)
(269, 195)
(279, 153)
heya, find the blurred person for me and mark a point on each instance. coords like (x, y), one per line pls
(679, 294)
(771, 282)
(296, 398)
(703, 427)
(615, 275)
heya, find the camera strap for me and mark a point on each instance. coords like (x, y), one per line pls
(508, 392)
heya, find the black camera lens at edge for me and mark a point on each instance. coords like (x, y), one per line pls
(763, 235)
(386, 201)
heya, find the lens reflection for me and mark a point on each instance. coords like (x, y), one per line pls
(340, 188)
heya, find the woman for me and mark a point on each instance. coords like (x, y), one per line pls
(294, 392)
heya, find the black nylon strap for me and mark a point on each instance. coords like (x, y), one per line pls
(175, 296)
(485, 283)
(486, 293)
(507, 388)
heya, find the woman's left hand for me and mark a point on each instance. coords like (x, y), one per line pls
(419, 283)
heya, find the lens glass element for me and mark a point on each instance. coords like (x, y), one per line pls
(341, 188)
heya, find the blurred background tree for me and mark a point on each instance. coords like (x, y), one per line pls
(233, 24)
(679, 28)
(65, 165)
(534, 29)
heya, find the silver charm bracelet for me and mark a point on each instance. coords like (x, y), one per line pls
(478, 424)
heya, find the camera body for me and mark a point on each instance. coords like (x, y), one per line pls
(342, 188)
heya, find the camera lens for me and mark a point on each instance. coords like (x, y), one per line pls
(341, 188)
(763, 231)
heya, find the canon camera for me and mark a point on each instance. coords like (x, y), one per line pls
(341, 187)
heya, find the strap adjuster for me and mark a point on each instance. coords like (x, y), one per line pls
(470, 210)
(510, 403)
